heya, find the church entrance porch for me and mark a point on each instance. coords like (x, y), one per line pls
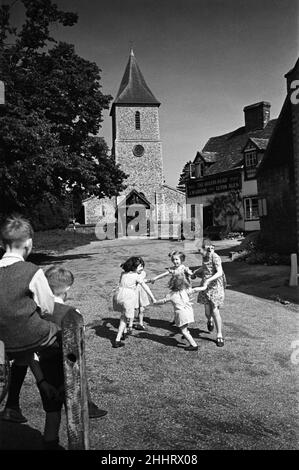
(133, 214)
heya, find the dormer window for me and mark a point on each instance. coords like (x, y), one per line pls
(199, 171)
(251, 161)
(192, 170)
(137, 120)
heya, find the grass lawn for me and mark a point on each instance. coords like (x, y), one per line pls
(58, 241)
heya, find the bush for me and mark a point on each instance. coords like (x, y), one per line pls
(47, 216)
(233, 235)
(252, 251)
(250, 242)
(215, 232)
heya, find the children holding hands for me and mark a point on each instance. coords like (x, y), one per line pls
(210, 293)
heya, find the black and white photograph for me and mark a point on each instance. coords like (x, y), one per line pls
(149, 230)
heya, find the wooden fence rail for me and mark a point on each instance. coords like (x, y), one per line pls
(4, 372)
(73, 345)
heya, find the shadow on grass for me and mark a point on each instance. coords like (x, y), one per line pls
(44, 258)
(165, 340)
(158, 323)
(258, 280)
(104, 330)
(107, 328)
(15, 436)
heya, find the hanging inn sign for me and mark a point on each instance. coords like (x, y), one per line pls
(215, 184)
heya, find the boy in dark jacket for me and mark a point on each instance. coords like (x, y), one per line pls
(25, 299)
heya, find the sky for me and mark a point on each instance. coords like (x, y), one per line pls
(204, 60)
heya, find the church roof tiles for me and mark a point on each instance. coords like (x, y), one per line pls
(133, 88)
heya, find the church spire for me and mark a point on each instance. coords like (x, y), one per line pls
(133, 88)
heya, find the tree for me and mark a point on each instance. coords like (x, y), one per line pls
(184, 177)
(227, 209)
(53, 112)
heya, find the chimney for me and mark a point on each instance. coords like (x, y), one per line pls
(257, 115)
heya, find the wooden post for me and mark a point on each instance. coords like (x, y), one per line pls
(294, 271)
(2, 93)
(73, 346)
(4, 372)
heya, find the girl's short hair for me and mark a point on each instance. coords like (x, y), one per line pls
(182, 256)
(59, 279)
(207, 242)
(16, 230)
(132, 264)
(179, 282)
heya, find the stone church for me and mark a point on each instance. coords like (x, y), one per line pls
(137, 147)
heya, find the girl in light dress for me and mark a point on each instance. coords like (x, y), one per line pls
(124, 299)
(180, 290)
(213, 285)
(177, 258)
(142, 299)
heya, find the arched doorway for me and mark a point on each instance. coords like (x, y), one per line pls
(132, 214)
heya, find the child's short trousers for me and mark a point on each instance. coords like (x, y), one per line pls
(51, 363)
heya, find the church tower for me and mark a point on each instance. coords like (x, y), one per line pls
(136, 135)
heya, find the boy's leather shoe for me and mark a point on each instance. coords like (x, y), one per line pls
(94, 411)
(118, 344)
(52, 445)
(13, 415)
(191, 348)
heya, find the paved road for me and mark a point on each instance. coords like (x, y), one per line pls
(242, 396)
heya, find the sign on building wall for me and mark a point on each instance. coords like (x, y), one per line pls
(215, 184)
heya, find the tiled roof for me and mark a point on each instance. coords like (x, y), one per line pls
(260, 143)
(208, 157)
(230, 147)
(133, 88)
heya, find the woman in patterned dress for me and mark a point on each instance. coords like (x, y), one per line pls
(214, 282)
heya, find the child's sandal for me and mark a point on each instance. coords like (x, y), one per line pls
(220, 342)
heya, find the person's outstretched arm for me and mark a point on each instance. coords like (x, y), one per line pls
(196, 272)
(162, 301)
(159, 277)
(218, 273)
(199, 289)
(147, 290)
